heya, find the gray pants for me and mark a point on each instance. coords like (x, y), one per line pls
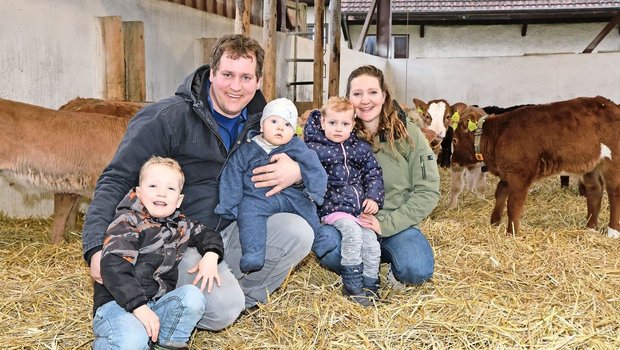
(359, 245)
(289, 238)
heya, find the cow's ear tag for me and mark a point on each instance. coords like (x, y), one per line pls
(420, 111)
(471, 126)
(456, 117)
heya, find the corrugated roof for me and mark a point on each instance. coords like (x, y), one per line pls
(362, 6)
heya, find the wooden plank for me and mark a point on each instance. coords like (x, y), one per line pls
(384, 27)
(242, 17)
(360, 40)
(112, 31)
(614, 22)
(203, 50)
(269, 44)
(135, 77)
(333, 86)
(220, 7)
(211, 6)
(317, 88)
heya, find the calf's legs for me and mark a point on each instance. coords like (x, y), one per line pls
(63, 206)
(501, 196)
(592, 183)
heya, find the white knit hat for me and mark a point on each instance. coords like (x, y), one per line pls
(283, 108)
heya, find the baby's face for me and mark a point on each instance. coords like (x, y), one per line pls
(338, 125)
(276, 130)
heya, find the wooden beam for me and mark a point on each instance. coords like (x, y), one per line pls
(112, 30)
(317, 87)
(371, 12)
(135, 80)
(203, 50)
(269, 44)
(524, 29)
(220, 7)
(384, 27)
(614, 22)
(333, 87)
(242, 17)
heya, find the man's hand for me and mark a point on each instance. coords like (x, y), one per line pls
(95, 267)
(149, 320)
(207, 271)
(281, 173)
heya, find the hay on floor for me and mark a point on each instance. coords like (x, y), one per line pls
(554, 285)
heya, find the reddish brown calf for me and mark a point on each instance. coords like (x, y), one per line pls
(577, 136)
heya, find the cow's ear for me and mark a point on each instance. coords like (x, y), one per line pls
(419, 104)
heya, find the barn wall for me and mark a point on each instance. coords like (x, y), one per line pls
(51, 52)
(495, 65)
(500, 40)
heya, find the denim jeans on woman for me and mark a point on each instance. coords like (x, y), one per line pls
(408, 251)
(178, 311)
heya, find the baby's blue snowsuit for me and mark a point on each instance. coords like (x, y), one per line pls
(241, 200)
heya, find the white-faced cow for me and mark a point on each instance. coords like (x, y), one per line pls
(578, 136)
(62, 152)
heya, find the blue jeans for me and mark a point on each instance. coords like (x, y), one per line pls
(178, 311)
(408, 251)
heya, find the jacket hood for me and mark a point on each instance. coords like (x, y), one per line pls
(195, 88)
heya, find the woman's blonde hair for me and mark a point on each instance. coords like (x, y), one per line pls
(391, 127)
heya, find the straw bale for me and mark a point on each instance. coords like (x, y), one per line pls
(554, 285)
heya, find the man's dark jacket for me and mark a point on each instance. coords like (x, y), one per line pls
(180, 127)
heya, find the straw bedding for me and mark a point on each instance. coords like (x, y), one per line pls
(552, 286)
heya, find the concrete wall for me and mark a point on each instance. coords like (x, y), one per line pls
(494, 65)
(51, 52)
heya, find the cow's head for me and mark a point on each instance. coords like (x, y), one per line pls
(463, 138)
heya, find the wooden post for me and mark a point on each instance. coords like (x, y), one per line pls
(269, 44)
(242, 17)
(112, 29)
(220, 7)
(334, 53)
(203, 49)
(135, 80)
(317, 90)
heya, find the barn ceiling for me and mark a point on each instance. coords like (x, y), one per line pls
(447, 12)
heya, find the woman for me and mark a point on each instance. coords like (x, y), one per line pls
(411, 180)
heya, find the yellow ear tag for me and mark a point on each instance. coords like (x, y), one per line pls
(471, 126)
(420, 111)
(299, 130)
(455, 120)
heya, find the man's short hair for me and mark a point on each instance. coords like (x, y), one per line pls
(336, 104)
(238, 45)
(169, 162)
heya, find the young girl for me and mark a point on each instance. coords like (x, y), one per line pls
(410, 177)
(354, 186)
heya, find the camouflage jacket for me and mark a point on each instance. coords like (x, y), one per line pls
(141, 253)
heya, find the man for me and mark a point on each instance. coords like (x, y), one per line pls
(201, 126)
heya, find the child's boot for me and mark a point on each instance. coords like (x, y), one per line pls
(371, 287)
(352, 284)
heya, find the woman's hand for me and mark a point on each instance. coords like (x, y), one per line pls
(149, 320)
(370, 206)
(371, 222)
(281, 173)
(207, 271)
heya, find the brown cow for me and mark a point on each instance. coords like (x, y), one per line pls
(577, 136)
(66, 204)
(62, 152)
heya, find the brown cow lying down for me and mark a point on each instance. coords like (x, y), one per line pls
(62, 152)
(578, 136)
